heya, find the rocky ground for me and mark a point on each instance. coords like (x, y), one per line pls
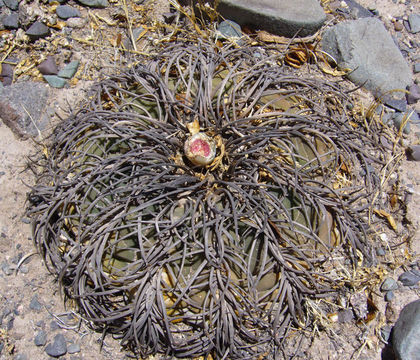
(48, 66)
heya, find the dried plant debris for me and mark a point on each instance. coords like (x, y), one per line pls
(191, 258)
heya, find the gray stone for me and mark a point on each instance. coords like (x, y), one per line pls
(35, 304)
(38, 30)
(414, 21)
(54, 326)
(94, 3)
(229, 29)
(288, 18)
(58, 347)
(406, 333)
(416, 68)
(55, 81)
(409, 278)
(69, 70)
(380, 251)
(345, 316)
(414, 94)
(414, 152)
(22, 108)
(65, 12)
(11, 21)
(360, 45)
(389, 296)
(48, 66)
(396, 104)
(11, 4)
(73, 348)
(40, 338)
(5, 267)
(389, 284)
(136, 33)
(398, 120)
(356, 10)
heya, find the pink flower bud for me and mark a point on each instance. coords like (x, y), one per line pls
(200, 149)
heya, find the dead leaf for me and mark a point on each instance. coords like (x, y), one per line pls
(387, 216)
(194, 127)
(327, 69)
(267, 37)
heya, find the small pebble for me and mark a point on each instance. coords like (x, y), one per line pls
(389, 296)
(94, 3)
(73, 348)
(414, 21)
(38, 30)
(398, 26)
(35, 304)
(54, 325)
(409, 278)
(48, 66)
(11, 21)
(23, 269)
(414, 94)
(383, 237)
(5, 267)
(136, 33)
(396, 104)
(66, 11)
(389, 284)
(40, 338)
(55, 81)
(69, 70)
(380, 251)
(11, 4)
(345, 316)
(414, 152)
(58, 347)
(229, 29)
(398, 119)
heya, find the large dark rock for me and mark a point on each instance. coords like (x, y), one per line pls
(286, 17)
(365, 47)
(22, 108)
(406, 333)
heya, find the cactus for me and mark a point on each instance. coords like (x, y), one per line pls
(213, 256)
